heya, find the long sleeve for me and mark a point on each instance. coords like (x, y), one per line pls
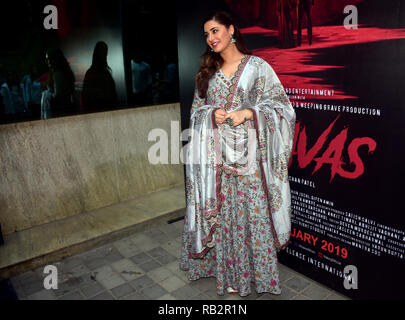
(199, 107)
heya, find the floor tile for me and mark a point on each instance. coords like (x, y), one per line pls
(149, 265)
(127, 269)
(75, 295)
(183, 276)
(169, 229)
(141, 258)
(201, 296)
(91, 290)
(103, 296)
(204, 284)
(142, 283)
(286, 294)
(70, 263)
(112, 282)
(234, 297)
(126, 247)
(108, 277)
(98, 252)
(67, 287)
(33, 287)
(144, 242)
(300, 297)
(134, 296)
(43, 295)
(163, 260)
(157, 252)
(122, 290)
(173, 248)
(73, 272)
(27, 277)
(173, 266)
(162, 238)
(172, 283)
(154, 292)
(285, 274)
(185, 293)
(266, 296)
(316, 292)
(167, 297)
(113, 255)
(95, 263)
(334, 296)
(297, 283)
(159, 274)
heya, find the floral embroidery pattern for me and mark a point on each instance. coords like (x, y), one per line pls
(275, 198)
(279, 166)
(271, 124)
(189, 192)
(277, 94)
(234, 83)
(257, 90)
(245, 256)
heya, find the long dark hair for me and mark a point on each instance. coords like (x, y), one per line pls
(100, 52)
(59, 63)
(212, 61)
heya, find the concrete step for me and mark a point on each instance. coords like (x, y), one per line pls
(35, 247)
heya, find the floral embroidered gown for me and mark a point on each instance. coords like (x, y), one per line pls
(238, 213)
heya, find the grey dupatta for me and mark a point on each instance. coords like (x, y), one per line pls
(211, 150)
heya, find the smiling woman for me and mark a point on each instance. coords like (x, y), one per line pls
(238, 204)
(221, 36)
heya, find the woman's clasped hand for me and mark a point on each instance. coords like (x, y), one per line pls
(237, 117)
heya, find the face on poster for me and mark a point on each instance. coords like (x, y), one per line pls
(340, 63)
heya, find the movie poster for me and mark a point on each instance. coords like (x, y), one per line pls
(341, 63)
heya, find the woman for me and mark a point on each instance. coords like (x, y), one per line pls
(99, 90)
(62, 83)
(238, 212)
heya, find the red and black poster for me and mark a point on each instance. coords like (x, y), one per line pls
(342, 64)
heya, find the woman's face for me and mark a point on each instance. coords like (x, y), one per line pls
(218, 36)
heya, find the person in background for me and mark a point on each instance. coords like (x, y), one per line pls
(46, 83)
(99, 90)
(11, 96)
(62, 83)
(142, 79)
(32, 92)
(170, 82)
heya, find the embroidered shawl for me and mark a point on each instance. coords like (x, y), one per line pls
(213, 149)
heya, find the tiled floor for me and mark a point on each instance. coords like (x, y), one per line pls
(145, 266)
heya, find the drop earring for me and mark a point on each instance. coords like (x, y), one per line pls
(232, 39)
